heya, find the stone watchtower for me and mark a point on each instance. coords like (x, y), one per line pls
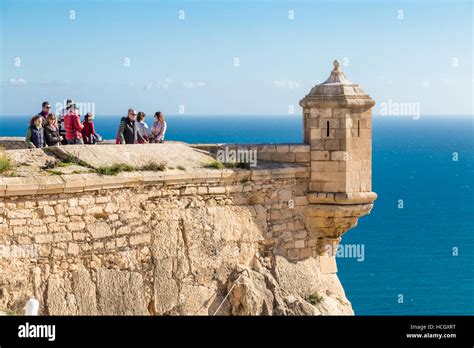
(337, 124)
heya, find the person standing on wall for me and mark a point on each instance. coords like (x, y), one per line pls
(128, 132)
(158, 130)
(51, 132)
(88, 132)
(62, 129)
(35, 133)
(142, 126)
(45, 109)
(73, 125)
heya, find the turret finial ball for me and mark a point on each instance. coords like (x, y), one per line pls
(336, 64)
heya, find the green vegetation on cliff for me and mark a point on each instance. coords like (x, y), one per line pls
(5, 163)
(116, 168)
(216, 164)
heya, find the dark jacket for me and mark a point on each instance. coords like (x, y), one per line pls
(44, 117)
(51, 135)
(35, 136)
(128, 131)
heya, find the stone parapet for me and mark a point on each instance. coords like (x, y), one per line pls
(69, 183)
(13, 143)
(341, 198)
(283, 153)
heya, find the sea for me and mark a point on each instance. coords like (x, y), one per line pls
(414, 254)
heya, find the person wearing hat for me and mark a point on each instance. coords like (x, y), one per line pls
(88, 132)
(45, 110)
(73, 126)
(128, 132)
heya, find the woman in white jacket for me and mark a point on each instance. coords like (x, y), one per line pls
(158, 129)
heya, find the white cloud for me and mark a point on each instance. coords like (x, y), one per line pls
(17, 82)
(287, 84)
(162, 84)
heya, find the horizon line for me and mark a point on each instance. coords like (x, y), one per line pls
(263, 115)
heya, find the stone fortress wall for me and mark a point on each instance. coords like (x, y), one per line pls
(178, 242)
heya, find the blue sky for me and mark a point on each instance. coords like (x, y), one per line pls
(424, 57)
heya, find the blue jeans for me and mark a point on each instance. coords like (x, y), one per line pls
(75, 142)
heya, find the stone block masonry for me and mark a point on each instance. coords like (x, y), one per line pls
(168, 244)
(283, 153)
(12, 143)
(337, 122)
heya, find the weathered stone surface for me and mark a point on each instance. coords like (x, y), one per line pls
(179, 241)
(171, 154)
(299, 278)
(58, 300)
(99, 230)
(85, 292)
(166, 288)
(174, 253)
(286, 289)
(250, 295)
(28, 162)
(196, 299)
(120, 293)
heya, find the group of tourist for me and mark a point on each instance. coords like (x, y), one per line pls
(134, 130)
(67, 129)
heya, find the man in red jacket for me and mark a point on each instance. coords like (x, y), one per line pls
(73, 125)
